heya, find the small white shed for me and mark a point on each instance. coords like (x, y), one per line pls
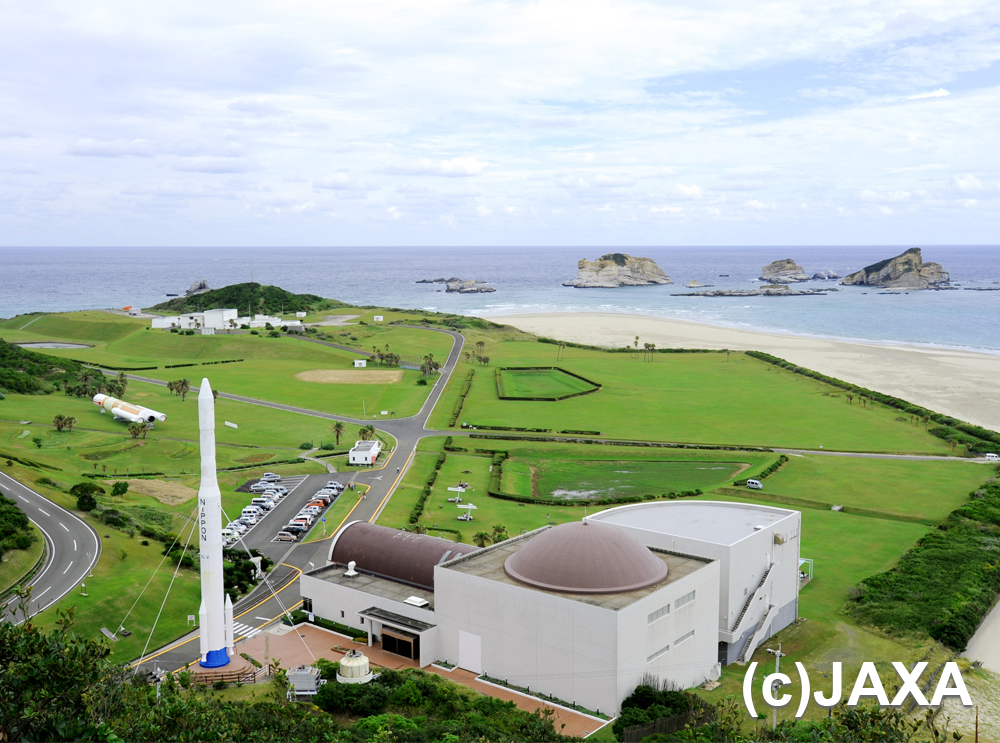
(365, 452)
(360, 363)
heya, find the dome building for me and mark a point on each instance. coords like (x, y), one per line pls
(583, 610)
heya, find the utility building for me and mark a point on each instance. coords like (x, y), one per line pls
(365, 452)
(581, 610)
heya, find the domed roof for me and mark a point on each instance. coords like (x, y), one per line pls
(585, 557)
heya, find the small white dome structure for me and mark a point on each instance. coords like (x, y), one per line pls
(354, 669)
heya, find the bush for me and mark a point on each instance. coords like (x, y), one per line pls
(119, 489)
(421, 382)
(86, 488)
(86, 502)
(254, 332)
(48, 482)
(274, 334)
(20, 541)
(306, 445)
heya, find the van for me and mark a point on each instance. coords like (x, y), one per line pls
(264, 503)
(252, 511)
(991, 457)
(755, 485)
(229, 534)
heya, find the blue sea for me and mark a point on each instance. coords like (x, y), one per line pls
(530, 280)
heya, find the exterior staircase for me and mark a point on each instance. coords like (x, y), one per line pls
(750, 598)
(742, 660)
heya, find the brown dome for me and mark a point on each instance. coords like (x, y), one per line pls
(585, 557)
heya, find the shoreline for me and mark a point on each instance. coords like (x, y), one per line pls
(959, 382)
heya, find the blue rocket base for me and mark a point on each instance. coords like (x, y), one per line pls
(215, 659)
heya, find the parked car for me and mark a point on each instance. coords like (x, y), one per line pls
(259, 487)
(307, 517)
(326, 491)
(295, 528)
(318, 503)
(285, 536)
(265, 503)
(323, 498)
(303, 521)
(755, 484)
(270, 477)
(237, 526)
(313, 510)
(334, 484)
(280, 488)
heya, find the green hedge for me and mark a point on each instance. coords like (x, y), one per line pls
(774, 467)
(460, 403)
(946, 583)
(619, 442)
(514, 428)
(29, 462)
(978, 439)
(418, 507)
(592, 501)
(502, 396)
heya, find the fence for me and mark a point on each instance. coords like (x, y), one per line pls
(664, 726)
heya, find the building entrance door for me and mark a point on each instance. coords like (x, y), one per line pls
(470, 651)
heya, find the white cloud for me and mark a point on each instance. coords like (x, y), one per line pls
(483, 211)
(116, 148)
(939, 93)
(306, 207)
(456, 167)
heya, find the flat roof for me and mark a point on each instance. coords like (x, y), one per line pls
(716, 522)
(364, 445)
(488, 563)
(374, 585)
(381, 615)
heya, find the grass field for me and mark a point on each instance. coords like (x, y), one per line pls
(539, 383)
(697, 397)
(927, 489)
(18, 562)
(572, 478)
(267, 372)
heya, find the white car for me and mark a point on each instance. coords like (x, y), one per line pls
(334, 484)
(237, 526)
(259, 487)
(270, 477)
(311, 509)
(310, 517)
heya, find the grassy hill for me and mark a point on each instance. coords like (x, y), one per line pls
(30, 373)
(254, 297)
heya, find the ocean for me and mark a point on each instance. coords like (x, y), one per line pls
(530, 280)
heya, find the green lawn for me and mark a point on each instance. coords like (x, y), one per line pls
(927, 489)
(336, 515)
(18, 562)
(539, 383)
(697, 397)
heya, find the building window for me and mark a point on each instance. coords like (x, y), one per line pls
(341, 613)
(658, 614)
(307, 605)
(682, 638)
(685, 599)
(657, 654)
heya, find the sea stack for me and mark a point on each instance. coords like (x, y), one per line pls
(216, 614)
(784, 271)
(617, 269)
(905, 271)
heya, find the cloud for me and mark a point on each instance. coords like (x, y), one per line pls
(112, 148)
(457, 167)
(939, 93)
(306, 207)
(483, 211)
(843, 92)
(343, 182)
(255, 107)
(215, 165)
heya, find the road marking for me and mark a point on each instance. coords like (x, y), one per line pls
(4, 487)
(43, 593)
(46, 514)
(68, 567)
(263, 619)
(63, 525)
(74, 545)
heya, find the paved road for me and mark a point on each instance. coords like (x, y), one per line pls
(73, 547)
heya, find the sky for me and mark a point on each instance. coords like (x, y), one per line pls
(553, 122)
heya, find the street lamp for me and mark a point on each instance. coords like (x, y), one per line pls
(778, 655)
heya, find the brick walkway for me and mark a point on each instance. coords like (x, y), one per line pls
(298, 646)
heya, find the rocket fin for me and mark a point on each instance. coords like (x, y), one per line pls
(230, 639)
(203, 630)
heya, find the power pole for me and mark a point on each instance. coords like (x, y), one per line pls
(778, 655)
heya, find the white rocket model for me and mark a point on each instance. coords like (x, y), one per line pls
(216, 614)
(124, 411)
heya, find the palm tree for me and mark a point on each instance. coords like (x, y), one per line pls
(481, 538)
(467, 357)
(338, 430)
(499, 533)
(486, 360)
(59, 421)
(369, 432)
(135, 429)
(69, 422)
(183, 387)
(172, 387)
(215, 394)
(416, 529)
(122, 383)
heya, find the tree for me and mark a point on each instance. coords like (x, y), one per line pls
(850, 399)
(368, 432)
(481, 538)
(499, 533)
(135, 429)
(69, 422)
(416, 529)
(183, 387)
(338, 430)
(468, 356)
(480, 347)
(121, 384)
(215, 394)
(59, 422)
(486, 360)
(37, 442)
(119, 489)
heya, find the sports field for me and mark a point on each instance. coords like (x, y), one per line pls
(529, 383)
(572, 479)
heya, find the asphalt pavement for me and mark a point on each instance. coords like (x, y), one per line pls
(73, 548)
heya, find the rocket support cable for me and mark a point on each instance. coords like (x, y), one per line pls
(121, 625)
(165, 597)
(274, 593)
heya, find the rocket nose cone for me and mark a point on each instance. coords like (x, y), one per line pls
(206, 389)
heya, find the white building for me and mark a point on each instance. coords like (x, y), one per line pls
(360, 363)
(220, 319)
(365, 452)
(582, 610)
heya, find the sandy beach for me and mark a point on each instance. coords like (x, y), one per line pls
(964, 384)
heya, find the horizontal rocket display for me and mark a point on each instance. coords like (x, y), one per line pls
(126, 411)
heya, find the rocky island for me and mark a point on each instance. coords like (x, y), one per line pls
(617, 269)
(905, 271)
(198, 287)
(784, 271)
(461, 286)
(772, 290)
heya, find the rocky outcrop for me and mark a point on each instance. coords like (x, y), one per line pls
(468, 287)
(617, 269)
(783, 272)
(774, 290)
(198, 287)
(905, 271)
(695, 284)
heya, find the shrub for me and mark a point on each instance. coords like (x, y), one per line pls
(48, 482)
(306, 445)
(254, 332)
(421, 382)
(20, 541)
(274, 334)
(119, 489)
(86, 488)
(86, 502)
(145, 543)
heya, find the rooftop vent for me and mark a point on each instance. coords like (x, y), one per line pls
(351, 572)
(416, 601)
